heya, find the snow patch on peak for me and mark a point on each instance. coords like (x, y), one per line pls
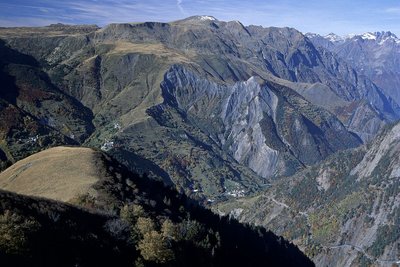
(388, 36)
(380, 37)
(334, 38)
(207, 18)
(199, 18)
(377, 37)
(350, 35)
(312, 35)
(369, 36)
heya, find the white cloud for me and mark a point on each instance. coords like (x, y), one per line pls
(24, 21)
(393, 10)
(91, 12)
(304, 17)
(180, 7)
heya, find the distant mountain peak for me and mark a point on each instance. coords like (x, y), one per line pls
(334, 37)
(378, 37)
(368, 36)
(385, 36)
(373, 53)
(331, 37)
(312, 35)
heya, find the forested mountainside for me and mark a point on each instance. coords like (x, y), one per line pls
(342, 212)
(110, 216)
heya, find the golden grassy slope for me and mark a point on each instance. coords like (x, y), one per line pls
(60, 173)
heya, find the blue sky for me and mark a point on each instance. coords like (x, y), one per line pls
(320, 16)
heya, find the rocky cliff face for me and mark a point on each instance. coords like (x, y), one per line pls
(231, 52)
(219, 111)
(138, 90)
(227, 50)
(343, 212)
(262, 125)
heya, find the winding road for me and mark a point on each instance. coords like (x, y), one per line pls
(352, 246)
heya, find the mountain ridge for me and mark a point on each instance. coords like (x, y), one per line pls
(119, 74)
(217, 110)
(374, 54)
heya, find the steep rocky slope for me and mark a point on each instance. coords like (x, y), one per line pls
(265, 126)
(342, 212)
(144, 88)
(217, 110)
(282, 52)
(123, 219)
(376, 55)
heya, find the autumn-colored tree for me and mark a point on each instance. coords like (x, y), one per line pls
(131, 212)
(154, 247)
(145, 225)
(15, 231)
(170, 230)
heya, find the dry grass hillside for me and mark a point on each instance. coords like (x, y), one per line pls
(60, 173)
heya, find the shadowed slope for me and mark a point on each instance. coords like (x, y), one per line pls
(130, 220)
